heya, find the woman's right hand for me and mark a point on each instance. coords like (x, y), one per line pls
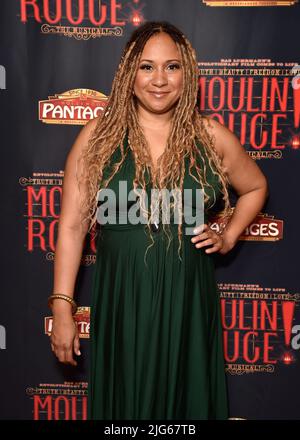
(64, 337)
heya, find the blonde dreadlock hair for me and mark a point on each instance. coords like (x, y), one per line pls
(120, 117)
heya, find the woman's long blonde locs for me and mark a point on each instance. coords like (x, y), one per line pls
(120, 118)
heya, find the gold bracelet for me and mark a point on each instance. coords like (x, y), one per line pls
(64, 297)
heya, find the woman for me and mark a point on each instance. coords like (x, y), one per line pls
(156, 336)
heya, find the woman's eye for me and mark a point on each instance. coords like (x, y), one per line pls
(170, 66)
(174, 66)
(145, 66)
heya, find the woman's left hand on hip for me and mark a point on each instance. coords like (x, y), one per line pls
(207, 237)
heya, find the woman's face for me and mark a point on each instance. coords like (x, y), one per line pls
(159, 80)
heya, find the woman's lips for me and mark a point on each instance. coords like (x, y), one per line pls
(159, 94)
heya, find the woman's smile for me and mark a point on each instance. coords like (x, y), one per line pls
(159, 95)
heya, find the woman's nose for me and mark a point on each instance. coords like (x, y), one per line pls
(160, 77)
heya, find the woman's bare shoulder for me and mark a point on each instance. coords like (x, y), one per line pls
(83, 137)
(89, 127)
(222, 135)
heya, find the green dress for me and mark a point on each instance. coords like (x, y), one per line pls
(156, 346)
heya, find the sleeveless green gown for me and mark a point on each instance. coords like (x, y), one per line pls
(156, 347)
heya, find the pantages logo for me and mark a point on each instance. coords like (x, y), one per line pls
(74, 107)
(82, 319)
(263, 228)
(248, 3)
(81, 19)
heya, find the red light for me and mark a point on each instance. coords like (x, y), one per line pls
(296, 142)
(136, 19)
(287, 358)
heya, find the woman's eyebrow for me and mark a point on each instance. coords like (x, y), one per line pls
(168, 61)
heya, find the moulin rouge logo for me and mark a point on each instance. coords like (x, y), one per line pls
(65, 401)
(82, 19)
(72, 107)
(43, 193)
(258, 100)
(263, 228)
(258, 327)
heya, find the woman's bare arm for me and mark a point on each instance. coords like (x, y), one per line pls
(246, 179)
(71, 234)
(64, 336)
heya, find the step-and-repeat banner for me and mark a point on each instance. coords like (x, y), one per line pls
(58, 59)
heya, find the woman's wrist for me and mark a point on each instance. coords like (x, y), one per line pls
(62, 297)
(229, 241)
(61, 308)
